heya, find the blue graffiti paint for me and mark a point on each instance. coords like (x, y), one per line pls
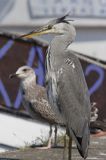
(99, 81)
(40, 69)
(18, 100)
(4, 94)
(40, 54)
(5, 48)
(31, 57)
(3, 52)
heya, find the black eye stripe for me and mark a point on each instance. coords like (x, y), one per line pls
(49, 26)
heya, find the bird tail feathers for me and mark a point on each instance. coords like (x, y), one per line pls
(82, 142)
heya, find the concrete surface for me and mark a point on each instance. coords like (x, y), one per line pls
(97, 151)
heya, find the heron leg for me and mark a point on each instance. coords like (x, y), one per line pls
(65, 146)
(55, 136)
(69, 145)
(70, 148)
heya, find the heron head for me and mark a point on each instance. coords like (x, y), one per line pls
(55, 26)
(23, 72)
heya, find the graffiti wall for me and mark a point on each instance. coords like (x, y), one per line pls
(16, 52)
(96, 81)
(13, 54)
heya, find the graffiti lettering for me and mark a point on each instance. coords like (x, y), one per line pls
(39, 71)
(5, 48)
(4, 94)
(99, 81)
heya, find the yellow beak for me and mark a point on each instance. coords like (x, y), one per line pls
(37, 33)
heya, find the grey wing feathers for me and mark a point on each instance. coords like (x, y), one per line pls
(74, 101)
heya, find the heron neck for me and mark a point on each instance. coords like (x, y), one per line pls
(58, 48)
(60, 43)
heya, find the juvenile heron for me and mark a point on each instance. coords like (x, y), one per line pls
(66, 86)
(34, 99)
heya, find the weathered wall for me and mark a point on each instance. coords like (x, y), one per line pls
(15, 53)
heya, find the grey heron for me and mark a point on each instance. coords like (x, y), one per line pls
(66, 86)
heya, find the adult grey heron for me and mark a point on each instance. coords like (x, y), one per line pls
(66, 86)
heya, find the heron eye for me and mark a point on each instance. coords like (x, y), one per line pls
(49, 26)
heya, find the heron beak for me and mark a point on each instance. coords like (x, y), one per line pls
(39, 32)
(13, 75)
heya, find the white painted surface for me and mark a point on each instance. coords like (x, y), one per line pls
(96, 49)
(17, 132)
